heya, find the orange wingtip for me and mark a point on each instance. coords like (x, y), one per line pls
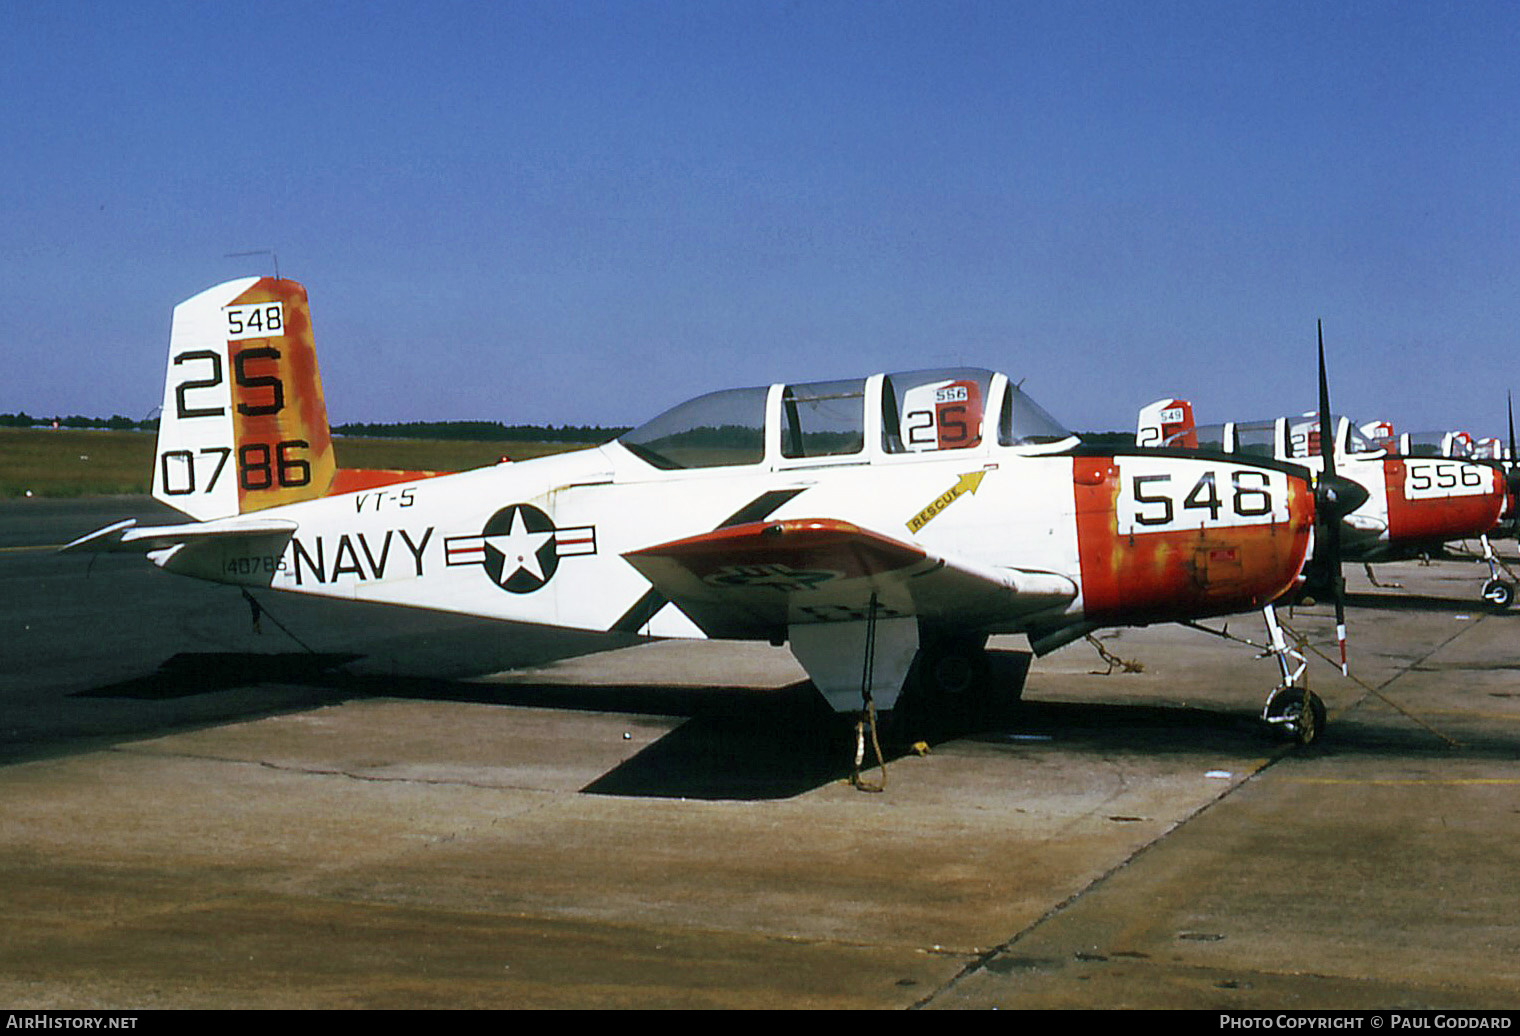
(838, 545)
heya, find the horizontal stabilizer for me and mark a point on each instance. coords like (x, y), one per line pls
(126, 537)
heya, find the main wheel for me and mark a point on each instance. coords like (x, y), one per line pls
(948, 690)
(1286, 713)
(1498, 594)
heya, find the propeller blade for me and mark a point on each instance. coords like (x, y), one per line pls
(1512, 458)
(1511, 464)
(1326, 440)
(1329, 500)
(1511, 397)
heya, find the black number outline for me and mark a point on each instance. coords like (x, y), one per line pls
(284, 464)
(1165, 501)
(1213, 505)
(269, 381)
(913, 429)
(1264, 491)
(163, 470)
(182, 409)
(945, 410)
(279, 470)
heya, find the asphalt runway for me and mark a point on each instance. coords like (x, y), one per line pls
(380, 808)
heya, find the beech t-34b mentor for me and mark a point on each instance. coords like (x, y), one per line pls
(877, 525)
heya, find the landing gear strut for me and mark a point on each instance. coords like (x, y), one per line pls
(1498, 592)
(1285, 710)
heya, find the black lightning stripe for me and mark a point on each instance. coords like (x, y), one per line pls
(760, 507)
(644, 609)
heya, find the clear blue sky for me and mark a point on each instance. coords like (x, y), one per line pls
(584, 212)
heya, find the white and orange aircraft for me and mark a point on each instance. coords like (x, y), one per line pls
(1416, 500)
(878, 525)
(1499, 590)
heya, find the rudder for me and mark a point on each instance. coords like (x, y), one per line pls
(1166, 422)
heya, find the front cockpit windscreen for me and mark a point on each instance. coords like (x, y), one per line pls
(933, 410)
(718, 429)
(1024, 422)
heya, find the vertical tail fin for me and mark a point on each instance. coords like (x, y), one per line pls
(244, 424)
(1380, 434)
(1166, 422)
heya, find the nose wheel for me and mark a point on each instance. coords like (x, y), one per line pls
(1498, 594)
(1289, 714)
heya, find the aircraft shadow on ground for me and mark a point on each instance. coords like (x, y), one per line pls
(1414, 602)
(193, 673)
(762, 743)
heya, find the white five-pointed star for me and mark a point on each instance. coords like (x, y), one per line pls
(519, 549)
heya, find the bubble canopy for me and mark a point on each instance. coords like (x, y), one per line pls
(907, 413)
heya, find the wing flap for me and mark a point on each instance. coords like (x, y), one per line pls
(758, 578)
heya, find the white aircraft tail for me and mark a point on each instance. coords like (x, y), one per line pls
(1166, 422)
(244, 424)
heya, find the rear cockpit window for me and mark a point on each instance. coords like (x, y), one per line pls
(718, 429)
(931, 410)
(1426, 444)
(1257, 439)
(823, 419)
(1204, 437)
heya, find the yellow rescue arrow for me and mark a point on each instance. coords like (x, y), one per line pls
(965, 484)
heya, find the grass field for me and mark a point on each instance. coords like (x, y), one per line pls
(89, 463)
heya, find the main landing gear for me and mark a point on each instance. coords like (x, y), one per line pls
(954, 687)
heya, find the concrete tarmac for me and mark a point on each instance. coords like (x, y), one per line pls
(409, 810)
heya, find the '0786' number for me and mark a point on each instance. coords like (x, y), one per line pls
(259, 466)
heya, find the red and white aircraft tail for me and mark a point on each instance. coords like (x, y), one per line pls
(1167, 422)
(244, 422)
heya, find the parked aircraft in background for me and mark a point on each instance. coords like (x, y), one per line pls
(1499, 590)
(882, 526)
(1419, 497)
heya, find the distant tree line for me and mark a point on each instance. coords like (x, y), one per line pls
(475, 431)
(115, 422)
(481, 431)
(1108, 438)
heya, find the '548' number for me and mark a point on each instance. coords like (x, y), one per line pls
(1249, 495)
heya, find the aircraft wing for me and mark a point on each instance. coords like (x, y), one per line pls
(759, 578)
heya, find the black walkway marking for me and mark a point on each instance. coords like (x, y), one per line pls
(645, 607)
